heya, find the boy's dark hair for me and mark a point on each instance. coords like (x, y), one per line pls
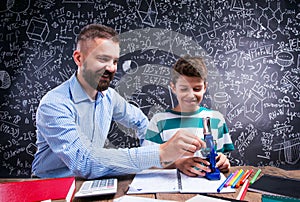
(92, 31)
(189, 66)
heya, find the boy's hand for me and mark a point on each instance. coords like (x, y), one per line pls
(222, 163)
(193, 166)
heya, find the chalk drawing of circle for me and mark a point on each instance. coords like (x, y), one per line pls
(221, 97)
(17, 6)
(284, 59)
(130, 66)
(5, 80)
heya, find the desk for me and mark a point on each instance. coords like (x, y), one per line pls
(124, 182)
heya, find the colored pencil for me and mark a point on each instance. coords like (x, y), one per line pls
(234, 174)
(240, 175)
(235, 177)
(243, 191)
(240, 181)
(255, 176)
(225, 181)
(246, 177)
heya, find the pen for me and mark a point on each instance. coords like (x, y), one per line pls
(222, 185)
(243, 190)
(240, 181)
(240, 175)
(235, 177)
(255, 176)
(234, 174)
(246, 177)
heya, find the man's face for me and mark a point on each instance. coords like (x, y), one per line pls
(99, 62)
(189, 92)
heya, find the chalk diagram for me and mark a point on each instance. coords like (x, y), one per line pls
(253, 107)
(37, 30)
(271, 18)
(147, 11)
(17, 7)
(5, 81)
(284, 59)
(290, 149)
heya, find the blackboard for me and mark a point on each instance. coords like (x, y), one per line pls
(252, 50)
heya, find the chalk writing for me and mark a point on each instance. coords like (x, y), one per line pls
(252, 51)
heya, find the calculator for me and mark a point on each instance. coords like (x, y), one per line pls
(98, 187)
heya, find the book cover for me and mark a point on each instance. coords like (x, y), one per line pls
(271, 198)
(274, 185)
(54, 189)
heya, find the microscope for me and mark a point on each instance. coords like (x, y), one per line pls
(209, 152)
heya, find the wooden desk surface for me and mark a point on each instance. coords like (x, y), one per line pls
(124, 182)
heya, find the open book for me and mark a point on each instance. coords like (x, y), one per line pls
(171, 180)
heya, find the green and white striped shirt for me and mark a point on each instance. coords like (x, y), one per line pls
(164, 125)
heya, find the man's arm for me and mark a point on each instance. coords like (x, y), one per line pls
(129, 115)
(56, 123)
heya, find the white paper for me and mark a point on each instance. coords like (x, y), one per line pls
(127, 198)
(203, 185)
(206, 199)
(153, 181)
(166, 180)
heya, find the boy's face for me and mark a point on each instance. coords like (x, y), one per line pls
(189, 92)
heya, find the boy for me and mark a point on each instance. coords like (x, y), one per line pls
(189, 83)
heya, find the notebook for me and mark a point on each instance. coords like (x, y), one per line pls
(278, 186)
(172, 181)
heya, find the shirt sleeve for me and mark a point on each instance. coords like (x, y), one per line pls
(224, 142)
(56, 123)
(129, 115)
(153, 135)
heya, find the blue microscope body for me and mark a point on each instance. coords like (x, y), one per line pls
(215, 172)
(210, 152)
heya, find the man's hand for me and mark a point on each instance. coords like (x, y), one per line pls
(222, 162)
(181, 144)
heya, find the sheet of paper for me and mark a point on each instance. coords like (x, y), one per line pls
(206, 199)
(154, 181)
(166, 180)
(127, 198)
(202, 185)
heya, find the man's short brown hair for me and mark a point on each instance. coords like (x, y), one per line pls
(93, 31)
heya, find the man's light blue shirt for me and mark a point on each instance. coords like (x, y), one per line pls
(72, 129)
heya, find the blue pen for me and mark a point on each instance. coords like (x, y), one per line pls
(222, 185)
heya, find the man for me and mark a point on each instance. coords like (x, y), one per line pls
(73, 119)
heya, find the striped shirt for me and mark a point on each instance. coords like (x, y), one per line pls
(72, 129)
(165, 124)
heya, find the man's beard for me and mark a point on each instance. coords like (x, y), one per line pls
(101, 85)
(104, 84)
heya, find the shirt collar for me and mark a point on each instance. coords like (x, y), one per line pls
(77, 91)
